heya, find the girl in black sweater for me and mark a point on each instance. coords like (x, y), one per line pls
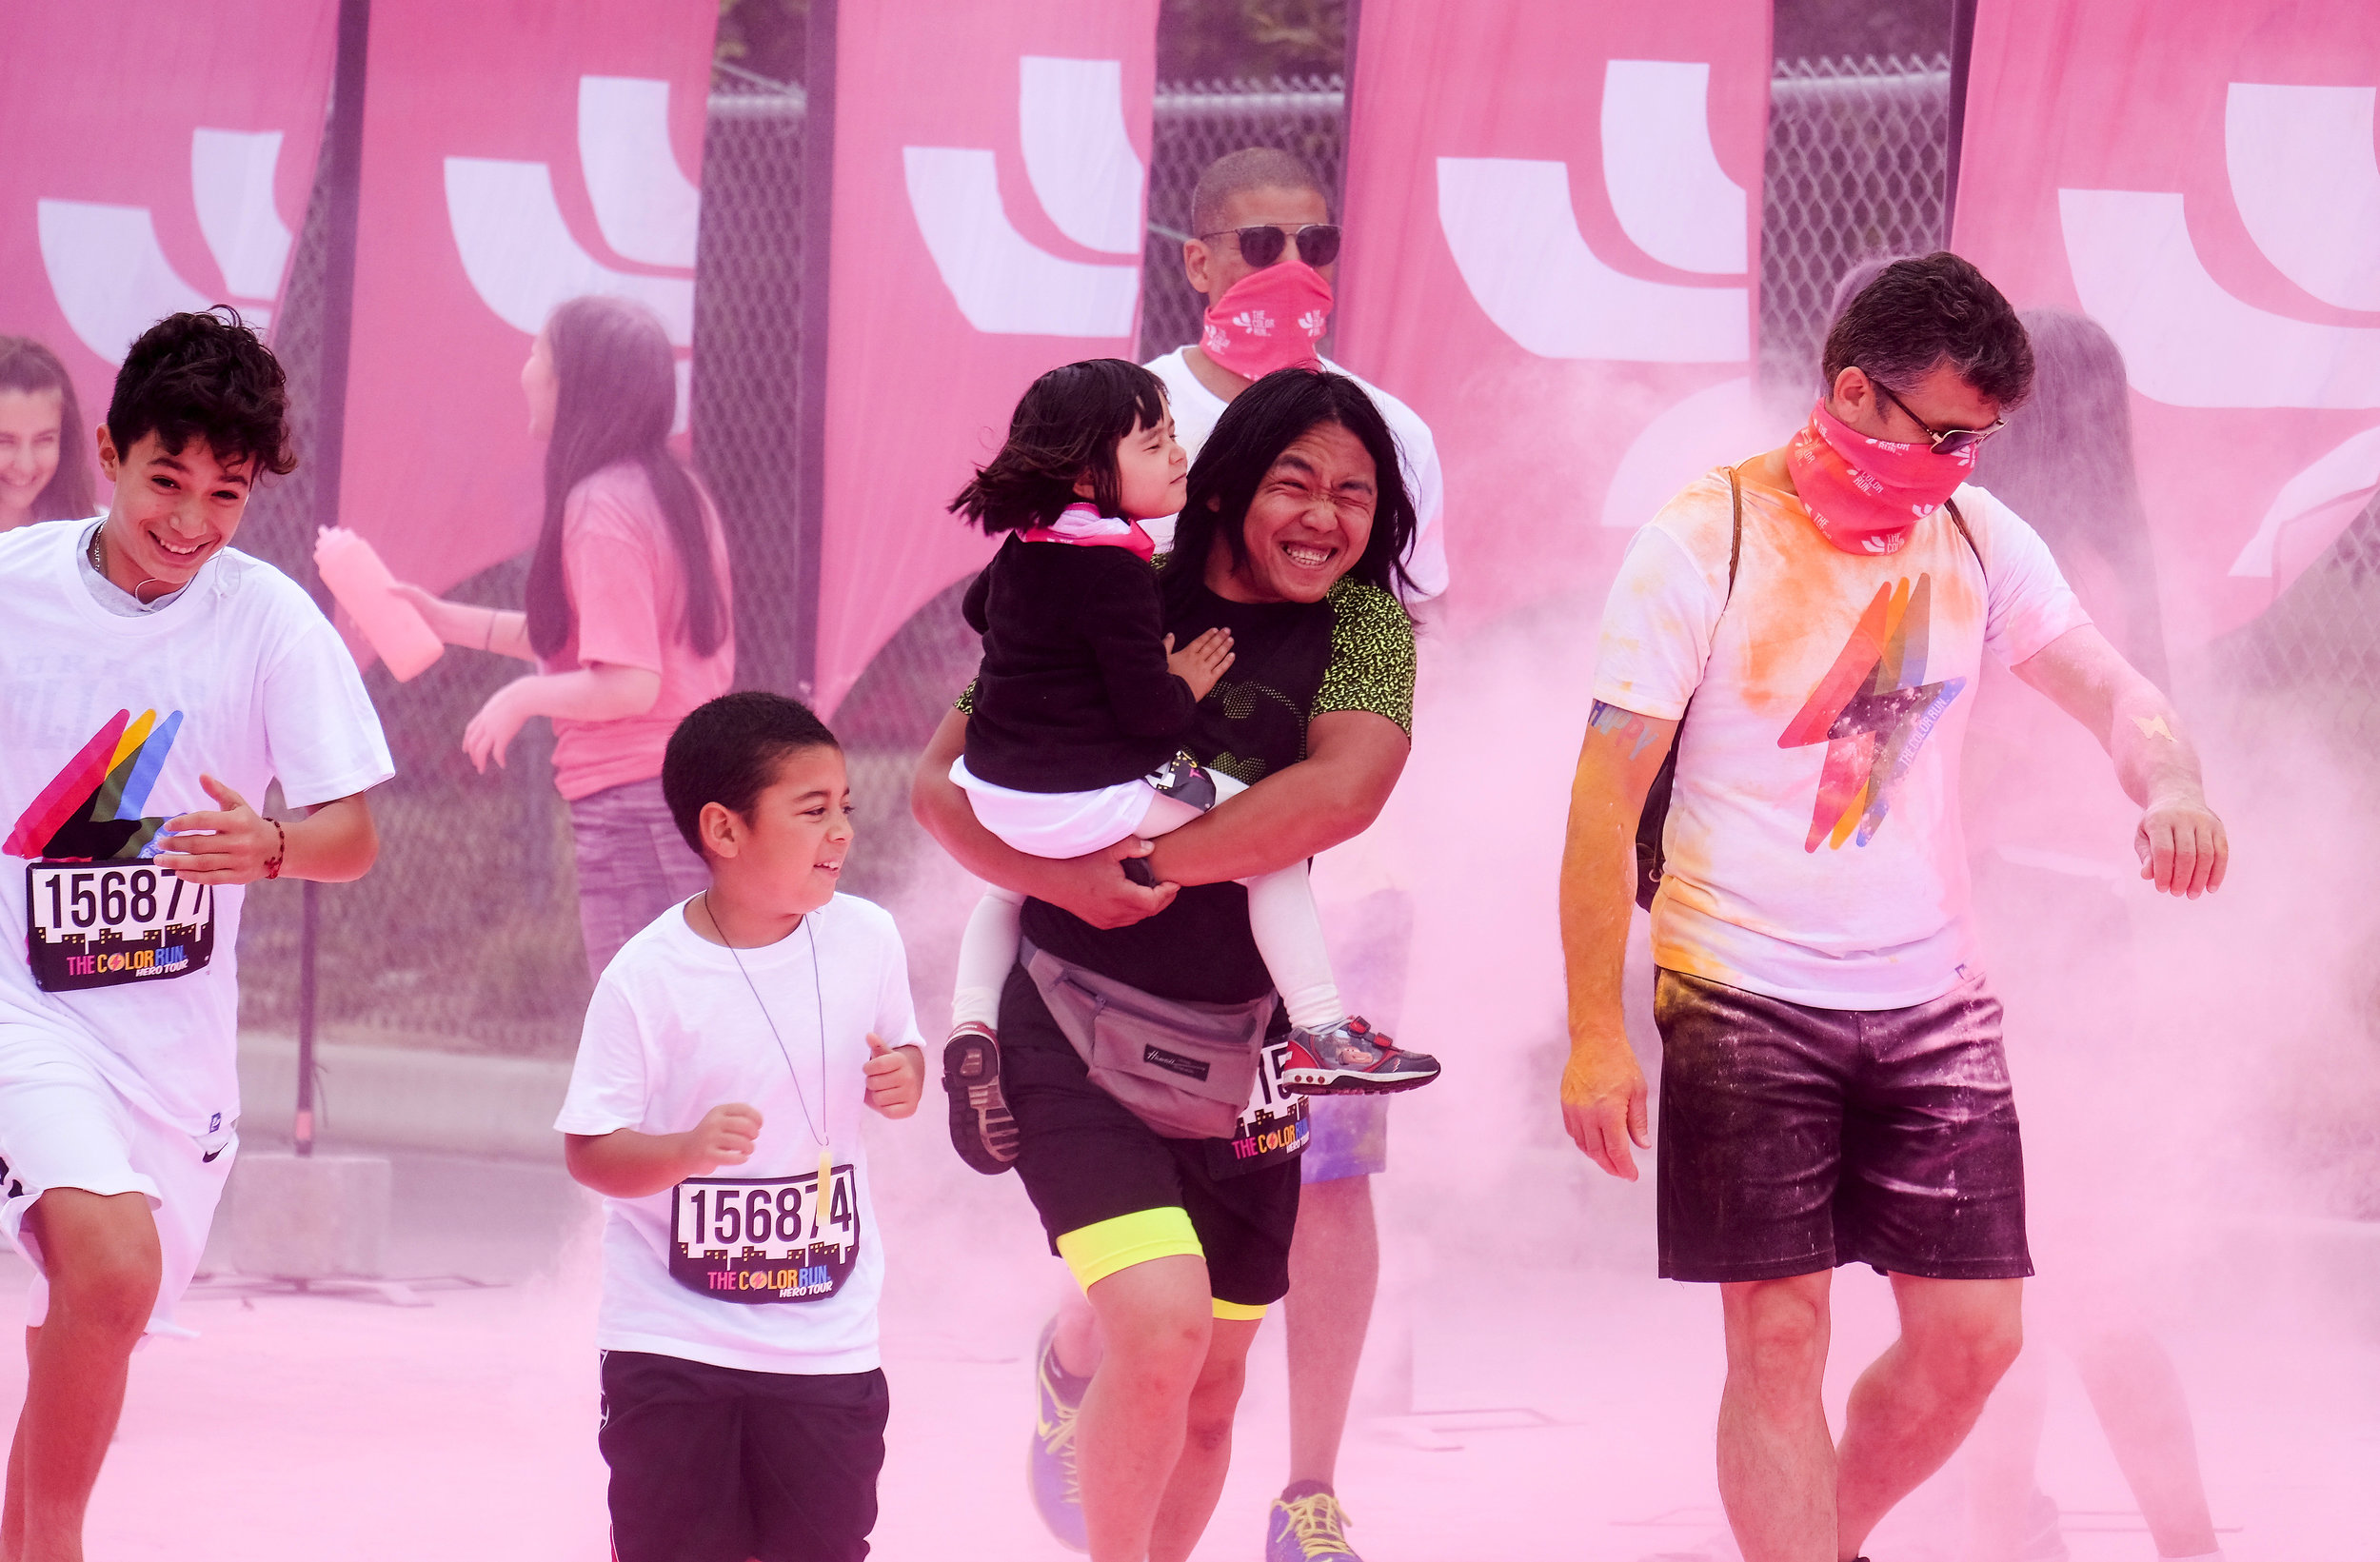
(1073, 733)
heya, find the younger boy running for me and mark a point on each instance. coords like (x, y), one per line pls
(715, 1104)
(151, 680)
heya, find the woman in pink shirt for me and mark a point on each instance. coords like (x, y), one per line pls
(629, 622)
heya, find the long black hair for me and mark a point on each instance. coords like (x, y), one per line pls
(2067, 467)
(28, 367)
(1066, 428)
(1261, 423)
(618, 397)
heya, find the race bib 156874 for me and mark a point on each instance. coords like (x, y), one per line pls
(109, 924)
(1274, 1128)
(764, 1239)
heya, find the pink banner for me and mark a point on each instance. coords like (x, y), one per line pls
(514, 156)
(164, 153)
(990, 171)
(1552, 254)
(2204, 182)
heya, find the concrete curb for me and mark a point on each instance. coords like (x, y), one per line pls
(407, 1098)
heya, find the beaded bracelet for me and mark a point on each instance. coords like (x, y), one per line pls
(273, 867)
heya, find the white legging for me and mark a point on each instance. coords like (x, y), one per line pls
(1288, 932)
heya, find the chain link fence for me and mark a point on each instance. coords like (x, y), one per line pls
(466, 936)
(1854, 169)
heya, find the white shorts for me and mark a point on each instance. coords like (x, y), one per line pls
(63, 1126)
(1058, 824)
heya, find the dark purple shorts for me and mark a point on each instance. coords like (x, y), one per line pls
(1794, 1140)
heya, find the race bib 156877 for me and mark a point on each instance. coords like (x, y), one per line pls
(111, 923)
(764, 1239)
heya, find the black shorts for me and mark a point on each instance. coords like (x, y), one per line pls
(1086, 1161)
(716, 1464)
(1794, 1140)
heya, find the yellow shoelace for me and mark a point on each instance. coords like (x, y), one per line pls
(1318, 1524)
(1058, 1437)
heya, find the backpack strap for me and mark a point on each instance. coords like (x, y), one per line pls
(1736, 543)
(1968, 537)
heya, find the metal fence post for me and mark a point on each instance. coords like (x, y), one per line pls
(1962, 51)
(343, 148)
(818, 226)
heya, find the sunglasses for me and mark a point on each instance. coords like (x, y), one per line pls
(1317, 243)
(1947, 442)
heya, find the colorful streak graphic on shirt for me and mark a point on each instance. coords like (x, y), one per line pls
(1873, 711)
(92, 810)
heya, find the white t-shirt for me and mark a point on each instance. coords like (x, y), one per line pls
(674, 1030)
(1814, 850)
(240, 677)
(1196, 408)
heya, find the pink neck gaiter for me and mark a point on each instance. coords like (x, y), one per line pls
(1268, 320)
(1867, 494)
(1083, 526)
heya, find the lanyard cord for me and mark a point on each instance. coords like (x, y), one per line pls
(818, 990)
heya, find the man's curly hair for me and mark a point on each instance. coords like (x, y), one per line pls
(207, 375)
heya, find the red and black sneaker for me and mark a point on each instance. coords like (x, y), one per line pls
(980, 1128)
(1352, 1058)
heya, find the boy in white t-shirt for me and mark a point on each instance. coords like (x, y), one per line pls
(715, 1104)
(151, 680)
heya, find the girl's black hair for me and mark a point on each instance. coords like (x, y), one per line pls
(618, 397)
(1261, 423)
(28, 367)
(1066, 428)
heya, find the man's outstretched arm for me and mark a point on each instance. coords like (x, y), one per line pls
(1353, 760)
(1603, 1089)
(1093, 887)
(2181, 843)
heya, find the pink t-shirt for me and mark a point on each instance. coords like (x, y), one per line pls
(1814, 850)
(627, 599)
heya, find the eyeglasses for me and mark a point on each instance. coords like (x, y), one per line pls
(1260, 245)
(1947, 442)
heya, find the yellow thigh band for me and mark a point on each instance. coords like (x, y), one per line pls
(1099, 1250)
(1243, 1311)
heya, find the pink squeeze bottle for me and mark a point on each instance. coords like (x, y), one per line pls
(361, 583)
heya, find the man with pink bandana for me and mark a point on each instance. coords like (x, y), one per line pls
(1832, 1085)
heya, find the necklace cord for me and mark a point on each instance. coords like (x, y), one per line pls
(99, 564)
(818, 990)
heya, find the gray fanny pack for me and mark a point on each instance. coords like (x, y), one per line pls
(1185, 1069)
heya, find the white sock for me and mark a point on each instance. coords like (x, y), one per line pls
(986, 951)
(1289, 935)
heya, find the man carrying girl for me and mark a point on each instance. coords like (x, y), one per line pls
(1293, 522)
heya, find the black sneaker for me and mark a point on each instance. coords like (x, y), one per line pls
(1184, 779)
(1352, 1058)
(980, 1128)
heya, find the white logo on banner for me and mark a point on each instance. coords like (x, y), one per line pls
(110, 276)
(2306, 179)
(1515, 240)
(1079, 161)
(517, 246)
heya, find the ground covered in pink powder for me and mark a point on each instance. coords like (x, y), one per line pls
(1556, 1411)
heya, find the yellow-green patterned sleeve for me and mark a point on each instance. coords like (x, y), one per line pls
(965, 704)
(1371, 662)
